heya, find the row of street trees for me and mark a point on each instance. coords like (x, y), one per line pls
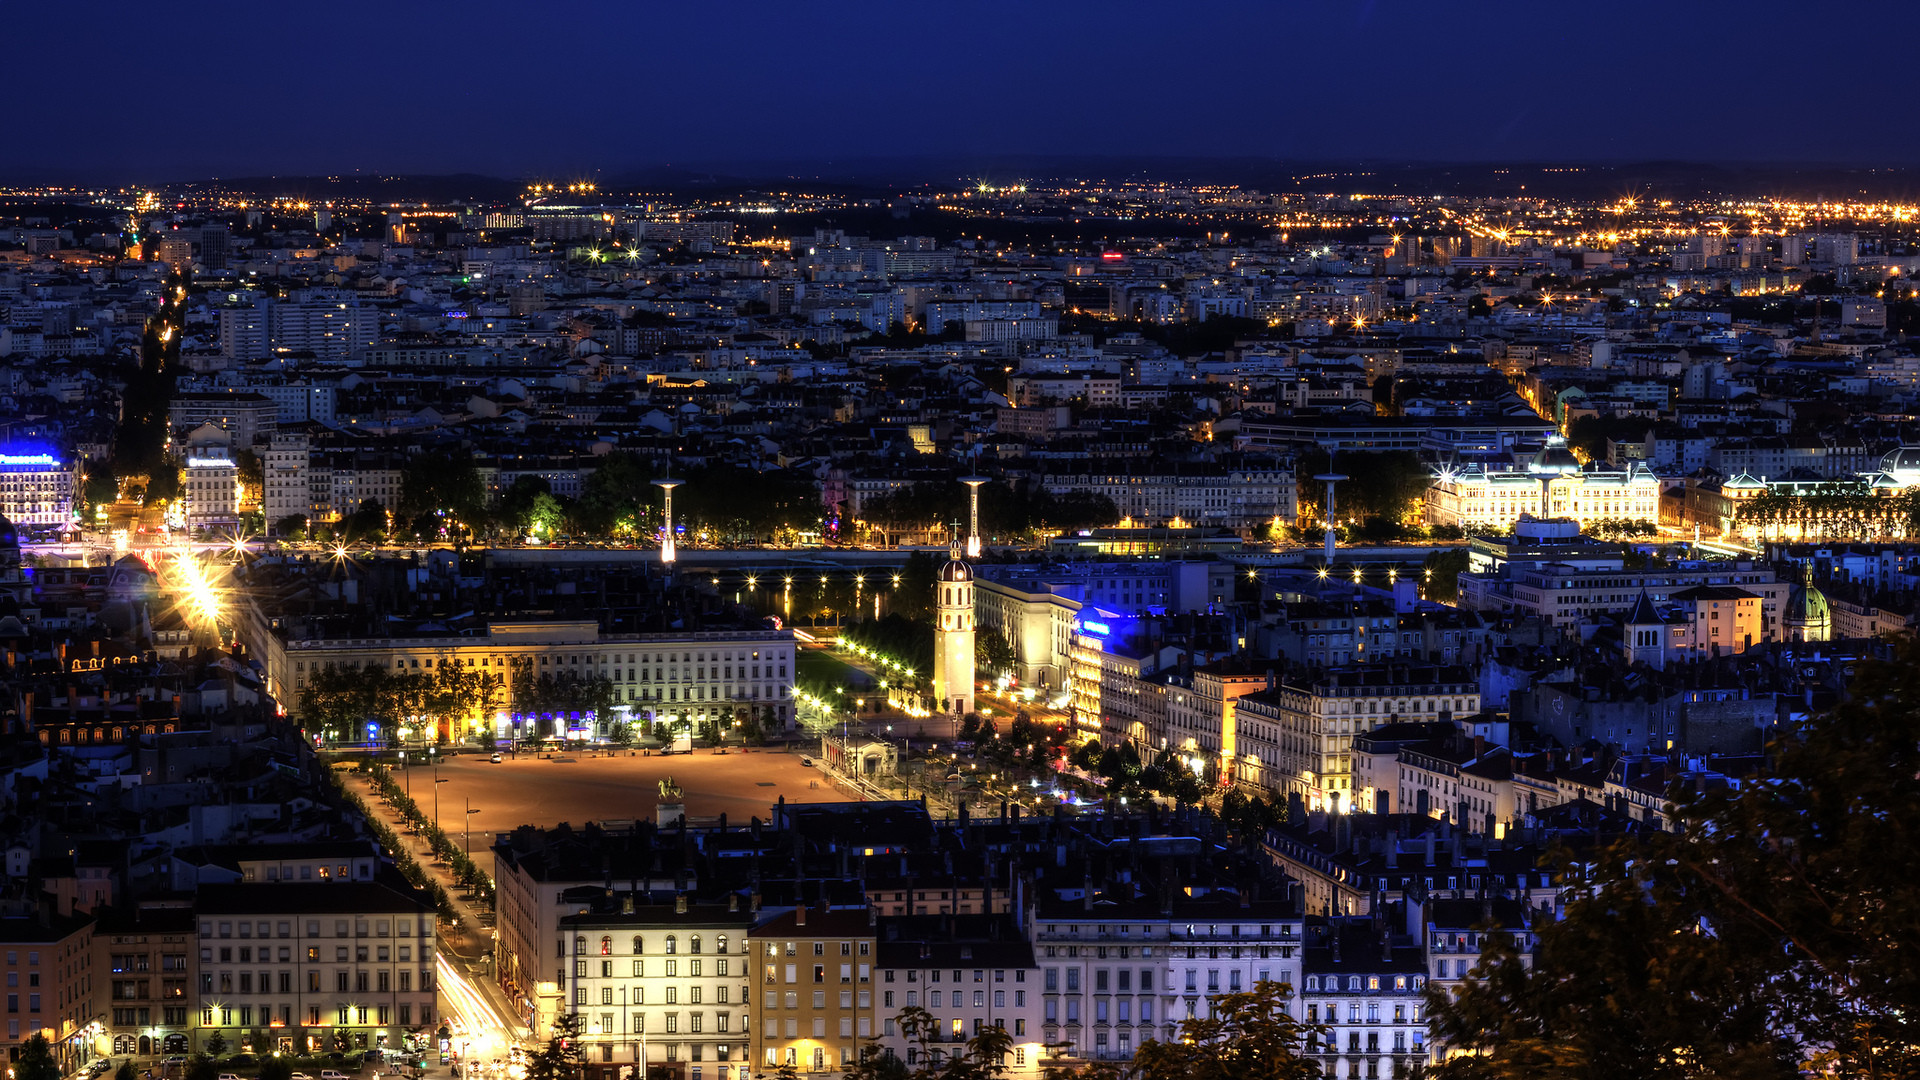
(338, 700)
(1015, 511)
(1837, 510)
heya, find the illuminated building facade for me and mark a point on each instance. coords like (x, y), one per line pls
(306, 967)
(1317, 718)
(211, 481)
(668, 984)
(815, 975)
(691, 678)
(1553, 485)
(37, 489)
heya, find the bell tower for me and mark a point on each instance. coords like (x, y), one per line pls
(953, 636)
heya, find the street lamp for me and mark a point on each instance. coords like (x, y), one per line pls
(466, 826)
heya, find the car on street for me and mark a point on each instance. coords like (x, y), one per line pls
(807, 762)
(495, 758)
(332, 1074)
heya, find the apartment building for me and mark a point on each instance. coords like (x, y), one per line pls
(668, 984)
(1316, 718)
(1368, 989)
(50, 987)
(292, 968)
(816, 988)
(147, 957)
(969, 973)
(1567, 595)
(1117, 971)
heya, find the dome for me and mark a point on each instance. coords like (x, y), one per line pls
(1808, 612)
(1554, 458)
(1903, 459)
(956, 570)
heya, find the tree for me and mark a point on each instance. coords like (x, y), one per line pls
(293, 527)
(275, 1067)
(202, 1067)
(1442, 570)
(217, 1043)
(102, 487)
(125, 1071)
(991, 652)
(445, 483)
(36, 1060)
(1765, 933)
(1246, 1036)
(620, 734)
(875, 1063)
(565, 1055)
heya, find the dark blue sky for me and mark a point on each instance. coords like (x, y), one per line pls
(170, 90)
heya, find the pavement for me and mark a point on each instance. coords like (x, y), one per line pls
(578, 786)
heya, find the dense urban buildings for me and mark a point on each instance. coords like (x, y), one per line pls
(1085, 605)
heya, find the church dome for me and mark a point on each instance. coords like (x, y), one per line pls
(1808, 610)
(956, 570)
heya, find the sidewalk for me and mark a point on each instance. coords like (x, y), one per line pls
(469, 945)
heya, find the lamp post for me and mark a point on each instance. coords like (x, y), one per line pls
(1330, 479)
(437, 781)
(973, 520)
(666, 538)
(466, 839)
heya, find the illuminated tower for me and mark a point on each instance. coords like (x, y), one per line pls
(973, 507)
(953, 637)
(666, 537)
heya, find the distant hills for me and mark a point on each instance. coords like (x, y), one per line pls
(881, 176)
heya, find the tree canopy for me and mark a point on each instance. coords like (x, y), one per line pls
(1769, 932)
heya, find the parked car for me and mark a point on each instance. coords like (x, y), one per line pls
(807, 761)
(228, 1076)
(495, 758)
(332, 1074)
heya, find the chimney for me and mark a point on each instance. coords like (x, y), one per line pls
(680, 904)
(1333, 939)
(733, 901)
(800, 914)
(626, 905)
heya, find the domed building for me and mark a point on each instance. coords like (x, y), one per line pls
(953, 637)
(1902, 465)
(1808, 615)
(1554, 459)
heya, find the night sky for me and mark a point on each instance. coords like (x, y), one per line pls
(163, 91)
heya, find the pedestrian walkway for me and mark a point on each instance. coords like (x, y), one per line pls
(470, 943)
